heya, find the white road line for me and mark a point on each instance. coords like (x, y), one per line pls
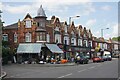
(65, 75)
(92, 67)
(82, 70)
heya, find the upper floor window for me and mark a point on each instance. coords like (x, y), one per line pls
(85, 43)
(66, 40)
(66, 29)
(41, 36)
(57, 29)
(28, 23)
(84, 35)
(5, 37)
(73, 41)
(28, 37)
(48, 38)
(57, 38)
(79, 42)
(15, 37)
(79, 33)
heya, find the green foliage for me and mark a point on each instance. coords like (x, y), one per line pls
(7, 55)
(116, 38)
(5, 43)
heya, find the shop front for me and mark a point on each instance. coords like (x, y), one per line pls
(28, 52)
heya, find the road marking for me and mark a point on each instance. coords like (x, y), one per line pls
(92, 67)
(82, 70)
(65, 75)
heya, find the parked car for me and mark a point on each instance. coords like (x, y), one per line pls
(116, 55)
(81, 59)
(107, 57)
(98, 59)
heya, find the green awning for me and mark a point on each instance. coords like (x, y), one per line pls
(29, 48)
(54, 48)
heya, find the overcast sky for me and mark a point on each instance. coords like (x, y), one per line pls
(93, 15)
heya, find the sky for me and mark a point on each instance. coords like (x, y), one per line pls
(94, 15)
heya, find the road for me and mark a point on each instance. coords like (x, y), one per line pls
(108, 69)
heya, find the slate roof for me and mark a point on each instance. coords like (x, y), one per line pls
(12, 26)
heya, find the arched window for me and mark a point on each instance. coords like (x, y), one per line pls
(28, 37)
(5, 37)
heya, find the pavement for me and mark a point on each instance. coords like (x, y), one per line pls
(3, 74)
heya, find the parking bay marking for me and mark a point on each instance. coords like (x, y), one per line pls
(65, 75)
(82, 70)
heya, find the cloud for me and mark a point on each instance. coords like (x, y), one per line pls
(114, 33)
(106, 8)
(17, 9)
(90, 23)
(1, 5)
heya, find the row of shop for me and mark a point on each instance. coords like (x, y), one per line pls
(39, 51)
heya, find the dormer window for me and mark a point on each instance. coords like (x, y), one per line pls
(28, 23)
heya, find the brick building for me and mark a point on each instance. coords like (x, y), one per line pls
(71, 39)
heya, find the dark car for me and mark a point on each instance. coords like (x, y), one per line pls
(81, 60)
(98, 59)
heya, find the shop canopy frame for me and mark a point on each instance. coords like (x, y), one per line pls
(29, 48)
(54, 48)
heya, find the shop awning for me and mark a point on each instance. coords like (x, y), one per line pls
(29, 48)
(54, 48)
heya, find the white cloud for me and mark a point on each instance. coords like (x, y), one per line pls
(96, 34)
(113, 32)
(115, 29)
(17, 9)
(1, 5)
(106, 8)
(90, 23)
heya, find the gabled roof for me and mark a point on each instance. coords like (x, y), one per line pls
(72, 28)
(28, 16)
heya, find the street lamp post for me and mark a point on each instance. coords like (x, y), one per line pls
(71, 18)
(69, 25)
(103, 36)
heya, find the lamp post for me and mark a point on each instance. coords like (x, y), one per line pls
(102, 37)
(69, 25)
(102, 34)
(72, 17)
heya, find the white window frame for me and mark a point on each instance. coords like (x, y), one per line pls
(66, 29)
(28, 37)
(5, 37)
(28, 23)
(48, 37)
(57, 29)
(86, 43)
(67, 39)
(15, 37)
(79, 42)
(58, 37)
